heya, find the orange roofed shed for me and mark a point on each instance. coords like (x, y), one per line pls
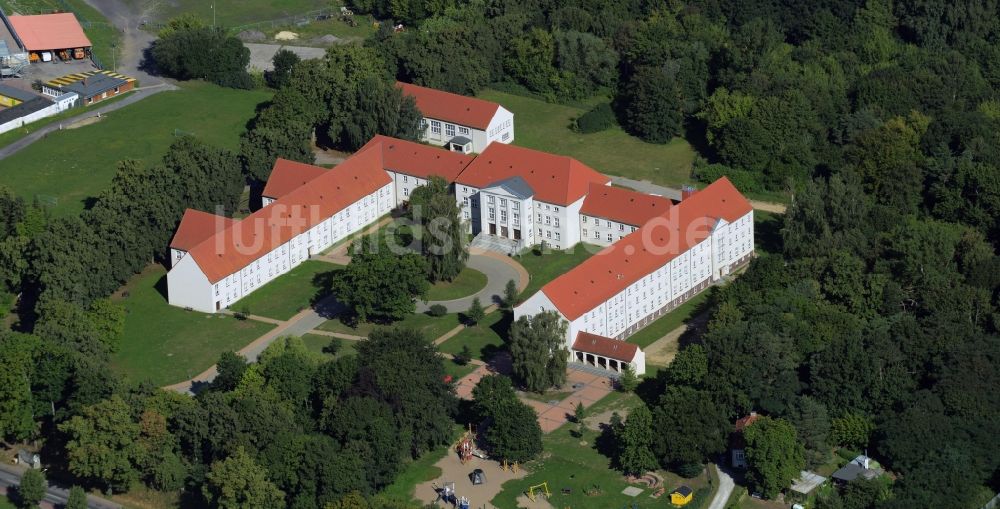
(46, 32)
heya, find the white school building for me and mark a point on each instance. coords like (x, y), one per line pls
(460, 123)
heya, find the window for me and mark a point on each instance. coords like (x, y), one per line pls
(449, 130)
(539, 232)
(583, 218)
(406, 192)
(465, 201)
(503, 202)
(584, 232)
(435, 127)
(557, 222)
(463, 130)
(557, 235)
(506, 136)
(548, 234)
(546, 207)
(597, 234)
(539, 217)
(492, 213)
(423, 124)
(609, 224)
(621, 227)
(517, 218)
(609, 237)
(489, 199)
(466, 214)
(517, 206)
(555, 209)
(548, 219)
(503, 215)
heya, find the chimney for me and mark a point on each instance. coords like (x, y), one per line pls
(687, 192)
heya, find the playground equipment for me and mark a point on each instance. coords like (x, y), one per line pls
(466, 447)
(542, 489)
(463, 503)
(513, 467)
(477, 476)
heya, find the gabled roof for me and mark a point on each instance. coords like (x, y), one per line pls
(605, 347)
(195, 227)
(556, 179)
(287, 176)
(236, 246)
(516, 186)
(459, 109)
(50, 31)
(623, 205)
(743, 422)
(419, 160)
(660, 240)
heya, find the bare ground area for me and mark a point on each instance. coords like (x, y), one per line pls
(662, 351)
(452, 470)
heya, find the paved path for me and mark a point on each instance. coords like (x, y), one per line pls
(262, 55)
(726, 485)
(672, 193)
(499, 269)
(10, 476)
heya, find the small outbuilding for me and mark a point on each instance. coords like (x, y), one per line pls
(48, 36)
(91, 86)
(861, 467)
(681, 496)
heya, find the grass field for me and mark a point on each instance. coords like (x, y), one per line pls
(546, 266)
(317, 342)
(431, 326)
(102, 35)
(231, 13)
(165, 344)
(5, 503)
(484, 340)
(320, 28)
(545, 126)
(75, 165)
(670, 321)
(468, 282)
(11, 136)
(288, 294)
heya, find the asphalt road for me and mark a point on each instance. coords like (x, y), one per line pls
(10, 477)
(497, 274)
(726, 485)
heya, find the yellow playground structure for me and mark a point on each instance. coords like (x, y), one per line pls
(541, 489)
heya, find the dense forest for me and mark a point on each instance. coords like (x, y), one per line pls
(874, 324)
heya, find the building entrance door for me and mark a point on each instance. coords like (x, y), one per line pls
(503, 231)
(493, 229)
(517, 234)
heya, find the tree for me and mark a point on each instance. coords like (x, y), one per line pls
(197, 52)
(690, 428)
(16, 369)
(578, 412)
(538, 352)
(103, 444)
(31, 491)
(510, 295)
(284, 60)
(379, 284)
(230, 367)
(774, 455)
(77, 498)
(634, 440)
(512, 430)
(239, 482)
(443, 244)
(852, 430)
(475, 313)
(628, 380)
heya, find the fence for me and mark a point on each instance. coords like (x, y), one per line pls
(293, 20)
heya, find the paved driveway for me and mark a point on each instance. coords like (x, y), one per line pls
(498, 270)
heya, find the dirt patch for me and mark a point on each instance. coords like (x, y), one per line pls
(595, 422)
(663, 350)
(83, 122)
(452, 470)
(251, 36)
(285, 35)
(539, 503)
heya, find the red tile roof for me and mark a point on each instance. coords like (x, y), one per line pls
(419, 160)
(460, 109)
(660, 240)
(235, 247)
(605, 347)
(743, 422)
(288, 176)
(195, 227)
(623, 205)
(555, 179)
(50, 31)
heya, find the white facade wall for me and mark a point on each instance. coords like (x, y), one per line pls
(602, 231)
(502, 213)
(556, 225)
(185, 278)
(500, 129)
(61, 103)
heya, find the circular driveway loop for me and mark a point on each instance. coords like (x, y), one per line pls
(498, 270)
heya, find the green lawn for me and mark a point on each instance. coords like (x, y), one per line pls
(165, 344)
(670, 321)
(287, 294)
(72, 166)
(102, 35)
(546, 266)
(468, 282)
(568, 464)
(231, 13)
(546, 126)
(317, 342)
(483, 340)
(333, 26)
(11, 136)
(5, 503)
(432, 327)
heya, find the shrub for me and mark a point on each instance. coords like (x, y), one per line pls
(745, 181)
(437, 310)
(599, 118)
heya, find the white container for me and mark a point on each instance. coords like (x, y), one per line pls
(46, 56)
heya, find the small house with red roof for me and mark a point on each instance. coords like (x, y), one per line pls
(460, 123)
(737, 444)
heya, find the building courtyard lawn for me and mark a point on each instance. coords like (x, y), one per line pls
(546, 126)
(287, 294)
(544, 266)
(468, 282)
(317, 342)
(432, 327)
(69, 168)
(483, 340)
(164, 344)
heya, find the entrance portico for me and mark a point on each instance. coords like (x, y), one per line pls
(607, 354)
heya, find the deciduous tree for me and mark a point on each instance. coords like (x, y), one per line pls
(774, 455)
(538, 351)
(239, 482)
